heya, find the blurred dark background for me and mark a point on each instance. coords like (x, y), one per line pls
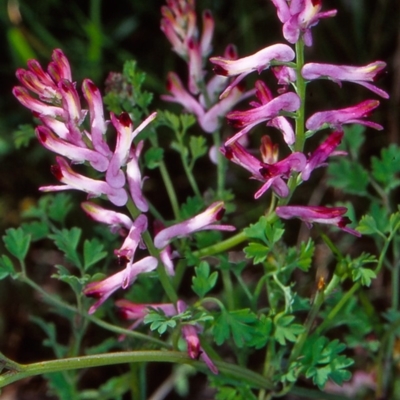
(98, 36)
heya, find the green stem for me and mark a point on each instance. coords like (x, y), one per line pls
(228, 289)
(166, 179)
(356, 285)
(221, 246)
(112, 328)
(19, 371)
(221, 165)
(191, 179)
(170, 189)
(301, 91)
(298, 347)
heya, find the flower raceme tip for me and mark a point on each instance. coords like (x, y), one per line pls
(299, 16)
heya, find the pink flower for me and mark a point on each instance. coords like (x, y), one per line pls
(105, 288)
(131, 243)
(318, 214)
(209, 120)
(299, 16)
(323, 151)
(98, 125)
(190, 334)
(256, 62)
(269, 110)
(339, 73)
(135, 181)
(180, 27)
(75, 153)
(72, 180)
(350, 115)
(203, 221)
(115, 177)
(271, 174)
(45, 84)
(117, 221)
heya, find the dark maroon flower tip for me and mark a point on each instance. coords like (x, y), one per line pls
(227, 152)
(125, 119)
(220, 70)
(56, 171)
(220, 214)
(207, 14)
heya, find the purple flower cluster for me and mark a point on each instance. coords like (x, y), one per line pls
(179, 24)
(298, 17)
(53, 98)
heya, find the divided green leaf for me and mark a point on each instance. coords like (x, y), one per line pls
(17, 242)
(203, 282)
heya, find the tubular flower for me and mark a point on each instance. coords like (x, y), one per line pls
(299, 16)
(271, 174)
(72, 180)
(256, 62)
(105, 288)
(125, 135)
(98, 124)
(131, 242)
(135, 180)
(75, 153)
(209, 120)
(323, 151)
(203, 221)
(190, 334)
(350, 115)
(117, 221)
(338, 73)
(318, 214)
(267, 111)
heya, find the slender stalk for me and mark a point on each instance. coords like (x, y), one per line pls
(221, 165)
(301, 91)
(112, 328)
(221, 246)
(19, 371)
(228, 289)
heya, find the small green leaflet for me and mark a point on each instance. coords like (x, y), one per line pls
(92, 253)
(6, 267)
(67, 241)
(153, 157)
(266, 233)
(203, 282)
(285, 330)
(17, 242)
(349, 176)
(384, 170)
(323, 362)
(240, 324)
